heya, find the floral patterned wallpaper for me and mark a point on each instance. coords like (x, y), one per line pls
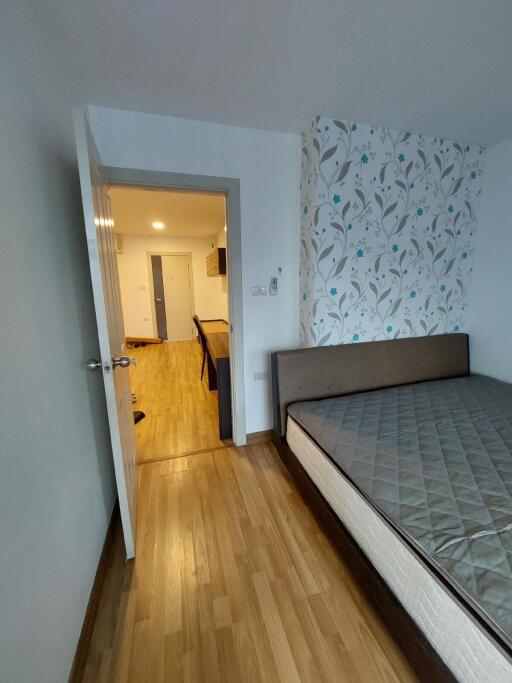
(387, 232)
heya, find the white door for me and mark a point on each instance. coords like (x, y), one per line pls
(109, 315)
(178, 297)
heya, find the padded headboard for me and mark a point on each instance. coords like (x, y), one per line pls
(321, 372)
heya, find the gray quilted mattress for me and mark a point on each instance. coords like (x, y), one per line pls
(435, 458)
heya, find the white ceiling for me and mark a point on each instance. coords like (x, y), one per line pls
(442, 67)
(185, 214)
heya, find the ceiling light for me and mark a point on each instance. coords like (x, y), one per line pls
(158, 225)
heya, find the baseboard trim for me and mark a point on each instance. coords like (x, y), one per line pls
(259, 437)
(84, 641)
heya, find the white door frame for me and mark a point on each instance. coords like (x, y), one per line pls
(149, 254)
(230, 188)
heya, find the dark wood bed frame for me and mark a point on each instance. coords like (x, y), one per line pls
(310, 374)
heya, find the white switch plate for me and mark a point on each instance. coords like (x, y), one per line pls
(260, 375)
(259, 290)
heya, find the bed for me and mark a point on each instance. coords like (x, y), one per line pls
(412, 454)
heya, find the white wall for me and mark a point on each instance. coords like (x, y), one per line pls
(56, 477)
(268, 166)
(490, 307)
(210, 293)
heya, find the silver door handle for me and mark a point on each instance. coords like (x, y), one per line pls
(158, 300)
(123, 361)
(93, 364)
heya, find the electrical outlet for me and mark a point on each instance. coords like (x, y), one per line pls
(260, 375)
(259, 290)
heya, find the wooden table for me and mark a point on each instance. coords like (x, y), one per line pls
(219, 377)
(214, 326)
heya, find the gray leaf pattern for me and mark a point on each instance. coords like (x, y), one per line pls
(387, 232)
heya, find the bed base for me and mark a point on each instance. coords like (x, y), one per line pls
(423, 659)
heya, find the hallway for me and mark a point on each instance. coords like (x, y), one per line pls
(181, 413)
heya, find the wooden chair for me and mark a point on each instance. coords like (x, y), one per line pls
(202, 340)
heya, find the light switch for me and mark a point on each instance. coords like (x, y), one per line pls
(259, 290)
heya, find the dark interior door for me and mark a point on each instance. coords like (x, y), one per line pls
(158, 289)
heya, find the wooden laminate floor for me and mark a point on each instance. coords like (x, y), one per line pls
(181, 413)
(233, 581)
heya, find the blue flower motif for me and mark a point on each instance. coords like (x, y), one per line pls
(360, 253)
(305, 209)
(401, 157)
(321, 320)
(349, 226)
(473, 175)
(419, 212)
(304, 296)
(413, 294)
(389, 329)
(456, 328)
(395, 248)
(345, 315)
(443, 288)
(364, 159)
(355, 337)
(450, 209)
(336, 199)
(354, 127)
(334, 291)
(465, 254)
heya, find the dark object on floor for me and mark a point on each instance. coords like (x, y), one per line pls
(202, 340)
(136, 342)
(138, 415)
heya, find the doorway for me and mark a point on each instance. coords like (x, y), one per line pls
(230, 189)
(174, 278)
(172, 285)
